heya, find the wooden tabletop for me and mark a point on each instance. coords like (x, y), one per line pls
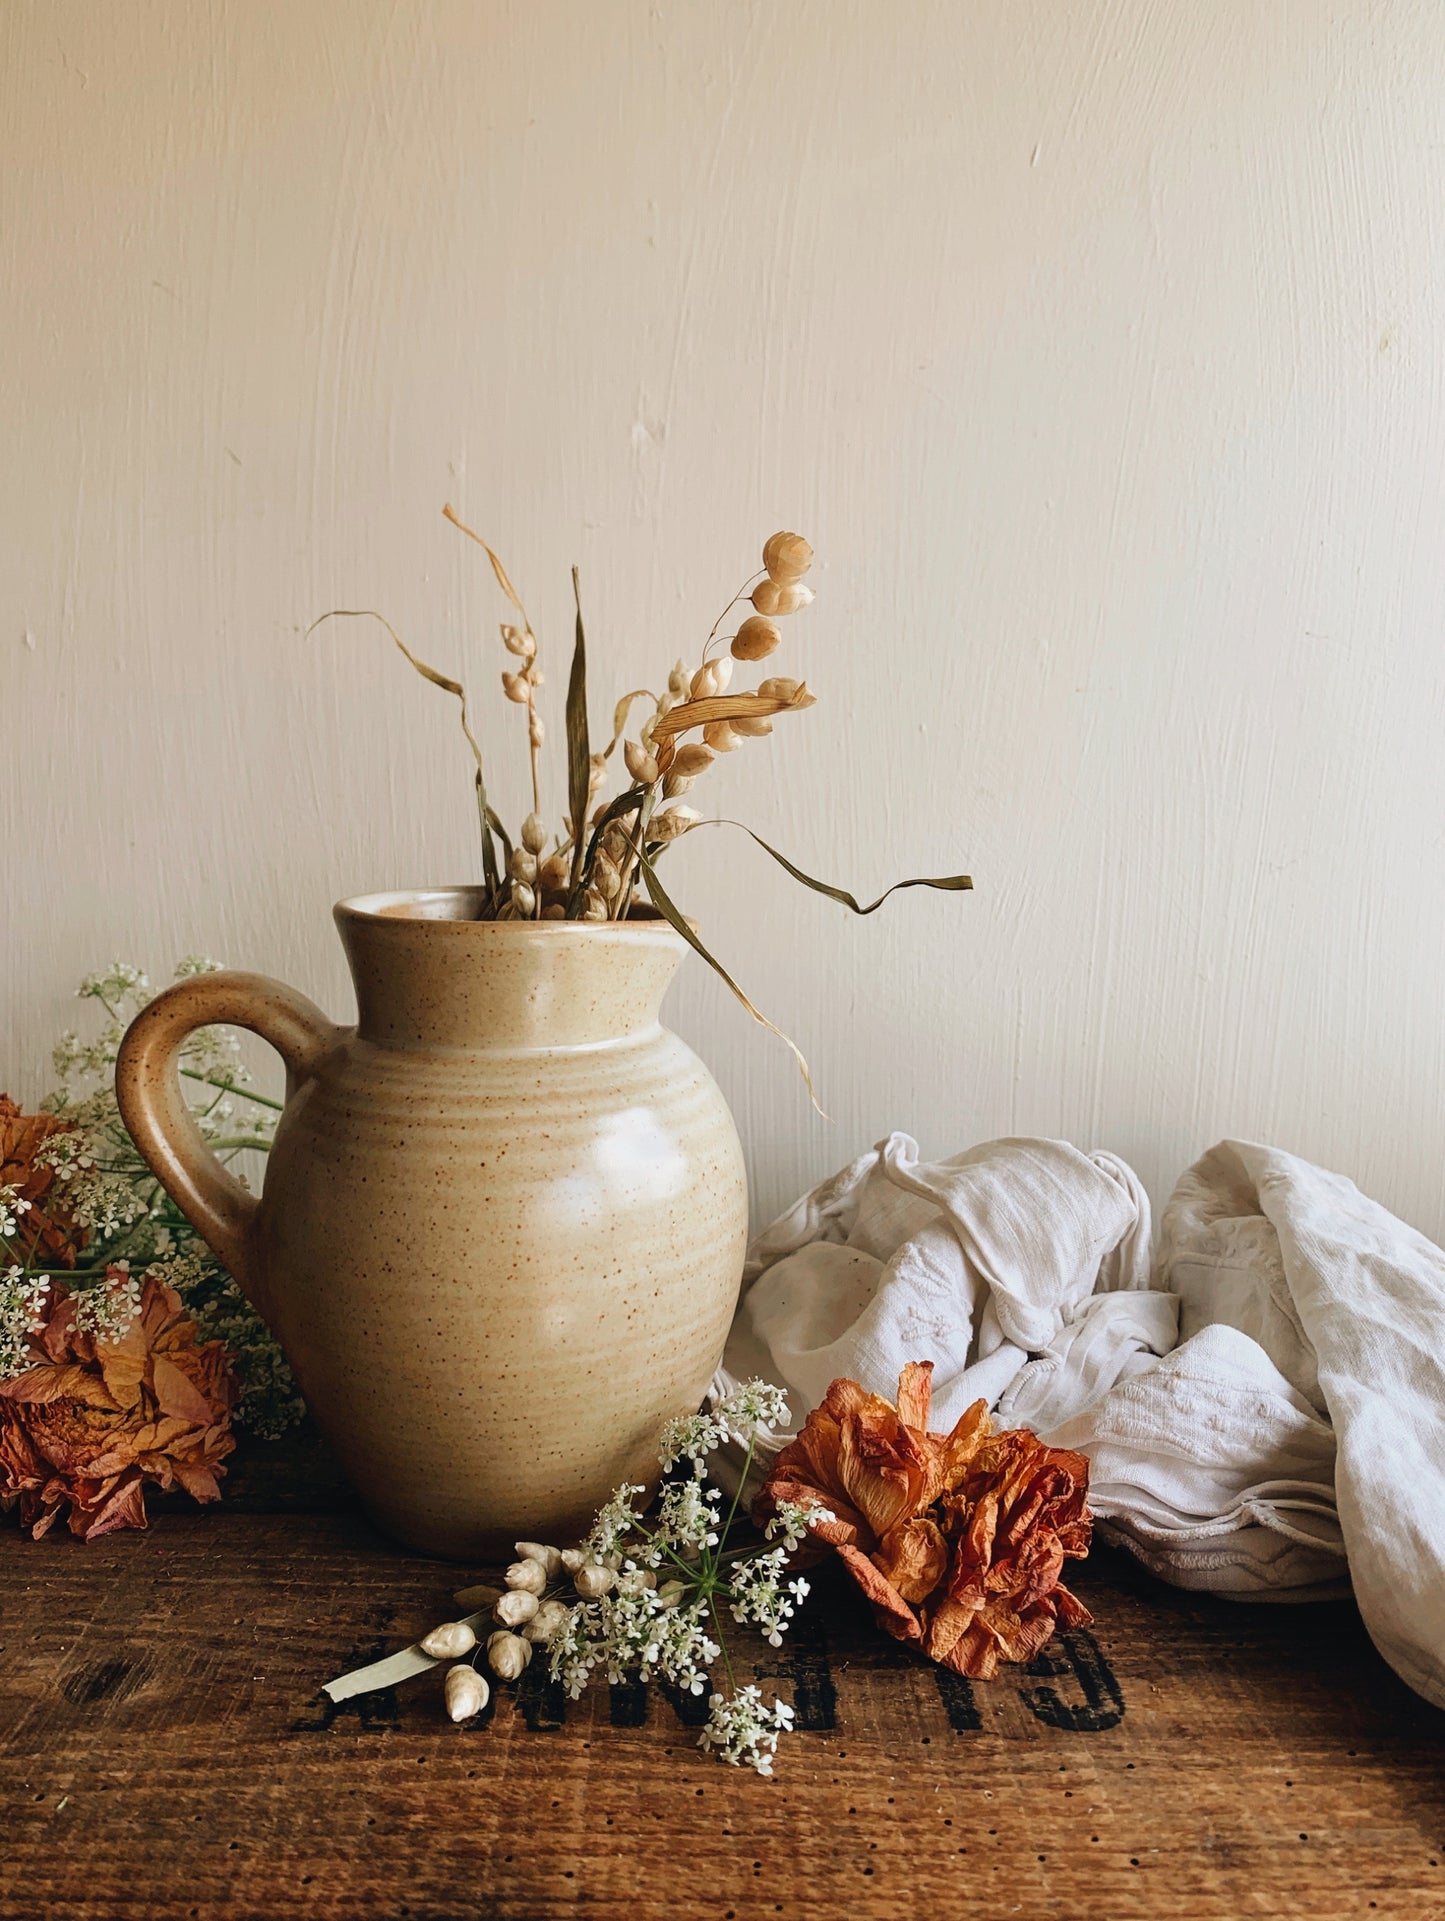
(167, 1755)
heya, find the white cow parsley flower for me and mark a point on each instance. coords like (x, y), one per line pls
(743, 1730)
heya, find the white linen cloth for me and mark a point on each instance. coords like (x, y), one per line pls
(1263, 1406)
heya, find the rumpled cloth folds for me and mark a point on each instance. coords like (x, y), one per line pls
(1262, 1403)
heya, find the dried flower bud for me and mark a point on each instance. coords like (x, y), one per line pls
(672, 824)
(692, 759)
(674, 785)
(677, 680)
(787, 558)
(644, 732)
(545, 1622)
(712, 679)
(756, 639)
(523, 864)
(508, 1655)
(450, 1641)
(515, 688)
(640, 764)
(466, 1693)
(605, 876)
(751, 726)
(523, 899)
(534, 833)
(592, 1580)
(671, 1592)
(720, 737)
(518, 641)
(526, 1577)
(779, 687)
(769, 597)
(593, 905)
(538, 1551)
(482, 1595)
(553, 872)
(515, 1607)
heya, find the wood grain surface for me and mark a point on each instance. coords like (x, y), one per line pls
(167, 1755)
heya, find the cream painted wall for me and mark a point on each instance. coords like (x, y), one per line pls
(1096, 347)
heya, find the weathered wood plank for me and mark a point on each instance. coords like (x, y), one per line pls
(167, 1757)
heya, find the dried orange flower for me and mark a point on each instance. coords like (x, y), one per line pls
(45, 1232)
(958, 1540)
(91, 1421)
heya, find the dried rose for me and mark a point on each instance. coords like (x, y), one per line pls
(45, 1233)
(958, 1540)
(91, 1421)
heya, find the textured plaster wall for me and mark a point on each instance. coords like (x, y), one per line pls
(1097, 348)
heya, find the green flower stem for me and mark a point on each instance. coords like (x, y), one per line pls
(230, 1087)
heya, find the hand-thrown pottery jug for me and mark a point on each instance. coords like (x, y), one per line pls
(503, 1222)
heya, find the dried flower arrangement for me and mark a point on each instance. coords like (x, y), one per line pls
(95, 1258)
(607, 849)
(957, 1540)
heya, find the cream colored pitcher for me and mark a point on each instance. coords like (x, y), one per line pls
(503, 1222)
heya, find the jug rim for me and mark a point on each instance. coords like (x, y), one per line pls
(433, 907)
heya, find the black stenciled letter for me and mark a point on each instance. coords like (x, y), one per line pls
(1075, 1652)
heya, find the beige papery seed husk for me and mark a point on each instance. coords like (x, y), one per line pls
(508, 1655)
(594, 907)
(526, 1577)
(574, 1557)
(640, 764)
(514, 686)
(693, 758)
(674, 785)
(556, 911)
(751, 729)
(677, 680)
(720, 737)
(524, 900)
(787, 557)
(554, 872)
(515, 1607)
(523, 865)
(769, 597)
(451, 1640)
(778, 687)
(672, 823)
(545, 1623)
(711, 680)
(518, 641)
(605, 876)
(592, 1581)
(756, 639)
(534, 833)
(466, 1693)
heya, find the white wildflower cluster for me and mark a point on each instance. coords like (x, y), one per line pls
(748, 1407)
(793, 1522)
(615, 1521)
(13, 1209)
(761, 1595)
(691, 1438)
(641, 1631)
(98, 1195)
(743, 1730)
(688, 1518)
(23, 1301)
(108, 1311)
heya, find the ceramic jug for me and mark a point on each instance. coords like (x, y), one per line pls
(502, 1228)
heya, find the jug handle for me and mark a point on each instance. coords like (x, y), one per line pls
(159, 1118)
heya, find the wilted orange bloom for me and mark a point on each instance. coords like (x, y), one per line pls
(92, 1421)
(45, 1232)
(957, 1539)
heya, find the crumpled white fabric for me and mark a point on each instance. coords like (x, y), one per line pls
(1262, 1404)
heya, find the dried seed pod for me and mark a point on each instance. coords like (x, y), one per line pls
(515, 1607)
(674, 785)
(640, 764)
(554, 872)
(637, 1580)
(545, 1623)
(518, 641)
(574, 1557)
(534, 833)
(593, 905)
(514, 686)
(482, 1595)
(756, 639)
(508, 1655)
(466, 1693)
(693, 758)
(711, 680)
(769, 597)
(720, 737)
(523, 865)
(449, 1642)
(523, 899)
(605, 876)
(751, 726)
(526, 1577)
(778, 687)
(677, 680)
(672, 824)
(592, 1580)
(644, 732)
(555, 912)
(671, 1592)
(787, 558)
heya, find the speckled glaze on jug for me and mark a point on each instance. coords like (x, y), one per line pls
(504, 1218)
